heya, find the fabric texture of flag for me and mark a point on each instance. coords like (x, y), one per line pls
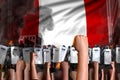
(58, 21)
(70, 18)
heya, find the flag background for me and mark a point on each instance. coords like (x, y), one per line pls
(97, 24)
(68, 20)
(85, 17)
(96, 19)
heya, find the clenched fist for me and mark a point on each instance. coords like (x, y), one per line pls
(80, 42)
(20, 65)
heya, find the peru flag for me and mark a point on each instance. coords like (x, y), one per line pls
(58, 21)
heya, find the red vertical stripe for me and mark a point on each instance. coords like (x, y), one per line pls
(97, 26)
(32, 21)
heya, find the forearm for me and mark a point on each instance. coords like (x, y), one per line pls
(27, 72)
(64, 66)
(91, 74)
(20, 70)
(47, 71)
(112, 72)
(102, 78)
(73, 75)
(52, 76)
(19, 75)
(2, 74)
(48, 77)
(96, 69)
(40, 75)
(82, 68)
(34, 71)
(112, 75)
(12, 74)
(81, 44)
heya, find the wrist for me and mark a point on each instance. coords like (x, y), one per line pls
(32, 62)
(113, 70)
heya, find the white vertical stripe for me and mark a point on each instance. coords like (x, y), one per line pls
(69, 20)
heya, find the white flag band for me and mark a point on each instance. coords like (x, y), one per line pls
(64, 22)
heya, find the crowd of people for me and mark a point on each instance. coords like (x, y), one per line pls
(27, 71)
(85, 68)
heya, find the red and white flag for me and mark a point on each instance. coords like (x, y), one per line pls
(58, 21)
